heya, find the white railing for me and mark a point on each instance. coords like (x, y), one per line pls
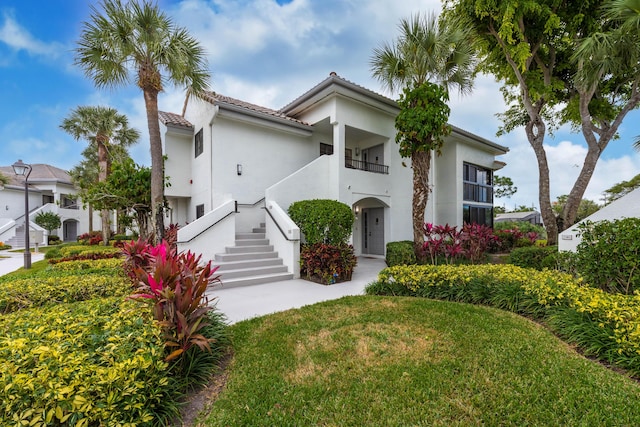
(7, 227)
(284, 235)
(211, 233)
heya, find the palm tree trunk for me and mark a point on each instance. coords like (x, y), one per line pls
(420, 163)
(157, 164)
(103, 161)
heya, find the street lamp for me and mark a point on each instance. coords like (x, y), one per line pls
(24, 169)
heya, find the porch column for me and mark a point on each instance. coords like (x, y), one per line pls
(339, 145)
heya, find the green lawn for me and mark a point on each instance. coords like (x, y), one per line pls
(391, 361)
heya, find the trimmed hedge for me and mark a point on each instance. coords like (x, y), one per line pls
(88, 264)
(323, 221)
(400, 253)
(72, 250)
(39, 291)
(96, 362)
(604, 325)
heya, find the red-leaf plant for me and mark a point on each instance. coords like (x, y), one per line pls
(175, 285)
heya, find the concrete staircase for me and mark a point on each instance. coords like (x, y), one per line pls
(251, 261)
(17, 241)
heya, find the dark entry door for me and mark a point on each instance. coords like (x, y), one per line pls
(373, 231)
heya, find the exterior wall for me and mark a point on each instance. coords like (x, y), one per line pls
(12, 202)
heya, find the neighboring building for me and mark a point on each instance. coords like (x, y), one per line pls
(627, 206)
(230, 161)
(50, 189)
(532, 217)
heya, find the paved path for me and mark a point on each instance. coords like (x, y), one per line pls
(245, 302)
(11, 261)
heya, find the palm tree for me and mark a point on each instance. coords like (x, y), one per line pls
(137, 39)
(427, 52)
(107, 131)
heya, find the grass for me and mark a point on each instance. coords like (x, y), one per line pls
(408, 362)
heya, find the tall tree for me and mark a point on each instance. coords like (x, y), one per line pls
(555, 71)
(503, 186)
(427, 59)
(103, 128)
(138, 39)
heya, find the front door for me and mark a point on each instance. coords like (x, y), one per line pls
(70, 231)
(373, 231)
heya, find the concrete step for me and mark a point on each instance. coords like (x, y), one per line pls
(260, 230)
(248, 249)
(255, 280)
(251, 272)
(242, 236)
(252, 242)
(248, 263)
(244, 256)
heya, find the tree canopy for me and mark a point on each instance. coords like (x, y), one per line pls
(556, 69)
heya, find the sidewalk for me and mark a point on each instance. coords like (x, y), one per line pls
(245, 302)
(15, 260)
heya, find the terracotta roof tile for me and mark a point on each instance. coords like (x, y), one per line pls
(174, 120)
(216, 98)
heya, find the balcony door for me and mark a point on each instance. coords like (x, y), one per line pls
(373, 231)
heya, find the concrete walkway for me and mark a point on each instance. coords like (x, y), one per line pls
(12, 261)
(246, 302)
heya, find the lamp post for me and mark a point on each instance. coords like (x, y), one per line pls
(24, 169)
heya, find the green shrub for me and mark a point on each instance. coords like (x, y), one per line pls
(523, 226)
(609, 254)
(38, 291)
(72, 250)
(87, 264)
(53, 240)
(91, 363)
(400, 253)
(604, 324)
(323, 221)
(327, 264)
(537, 257)
(53, 253)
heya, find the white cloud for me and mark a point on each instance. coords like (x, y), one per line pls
(18, 38)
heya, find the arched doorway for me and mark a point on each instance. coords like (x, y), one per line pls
(69, 230)
(369, 230)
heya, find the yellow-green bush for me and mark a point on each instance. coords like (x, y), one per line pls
(87, 250)
(86, 264)
(97, 362)
(41, 290)
(608, 325)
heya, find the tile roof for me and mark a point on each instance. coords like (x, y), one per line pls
(334, 78)
(216, 98)
(174, 120)
(39, 173)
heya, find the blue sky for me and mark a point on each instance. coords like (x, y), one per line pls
(261, 51)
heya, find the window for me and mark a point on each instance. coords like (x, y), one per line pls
(477, 215)
(68, 201)
(477, 184)
(199, 211)
(326, 149)
(199, 143)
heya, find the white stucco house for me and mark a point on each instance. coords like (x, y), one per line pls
(627, 206)
(235, 167)
(50, 189)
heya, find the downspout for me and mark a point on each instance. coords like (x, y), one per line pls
(216, 109)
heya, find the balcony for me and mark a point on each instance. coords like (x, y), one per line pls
(366, 166)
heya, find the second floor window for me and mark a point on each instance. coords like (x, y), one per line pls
(477, 183)
(199, 143)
